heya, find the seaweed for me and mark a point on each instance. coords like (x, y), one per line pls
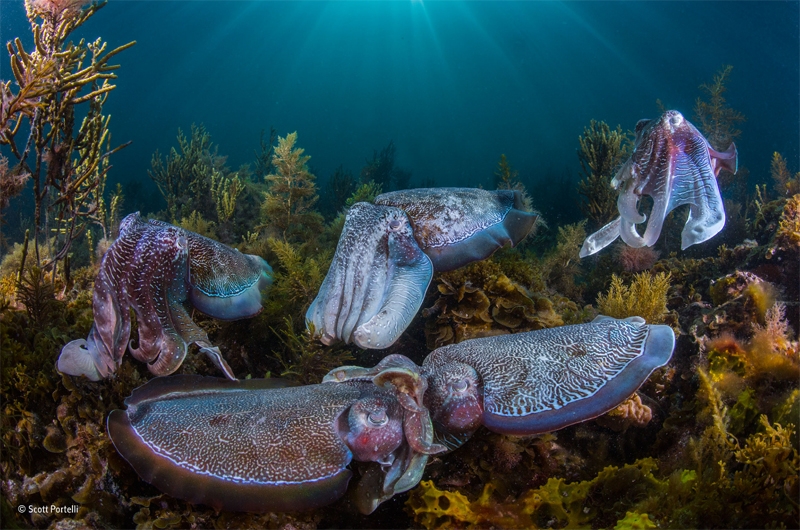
(716, 119)
(67, 162)
(288, 207)
(562, 265)
(340, 187)
(787, 236)
(646, 297)
(602, 151)
(785, 184)
(304, 358)
(382, 170)
(505, 177)
(479, 300)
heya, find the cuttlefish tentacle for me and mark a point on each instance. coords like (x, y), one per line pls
(675, 165)
(156, 269)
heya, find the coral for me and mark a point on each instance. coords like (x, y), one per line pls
(288, 207)
(716, 119)
(480, 301)
(630, 412)
(646, 297)
(68, 164)
(784, 183)
(602, 151)
(636, 259)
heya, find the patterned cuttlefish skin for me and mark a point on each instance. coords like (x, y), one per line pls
(389, 250)
(154, 269)
(675, 165)
(251, 446)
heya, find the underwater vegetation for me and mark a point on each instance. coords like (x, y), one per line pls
(602, 151)
(709, 441)
(58, 82)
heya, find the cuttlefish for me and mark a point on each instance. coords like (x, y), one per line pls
(259, 445)
(158, 270)
(389, 250)
(675, 165)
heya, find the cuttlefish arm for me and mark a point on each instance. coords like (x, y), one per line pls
(101, 354)
(376, 282)
(541, 381)
(254, 445)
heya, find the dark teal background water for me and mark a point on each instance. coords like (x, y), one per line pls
(454, 84)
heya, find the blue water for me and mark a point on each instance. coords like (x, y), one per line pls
(453, 84)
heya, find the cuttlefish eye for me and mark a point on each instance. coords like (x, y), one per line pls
(460, 386)
(676, 119)
(394, 224)
(377, 418)
(374, 428)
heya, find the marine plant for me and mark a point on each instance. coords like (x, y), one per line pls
(184, 177)
(366, 192)
(602, 151)
(788, 232)
(340, 187)
(716, 119)
(304, 359)
(636, 259)
(224, 191)
(505, 177)
(67, 162)
(479, 300)
(562, 264)
(263, 156)
(645, 296)
(381, 168)
(297, 278)
(785, 184)
(288, 207)
(194, 222)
